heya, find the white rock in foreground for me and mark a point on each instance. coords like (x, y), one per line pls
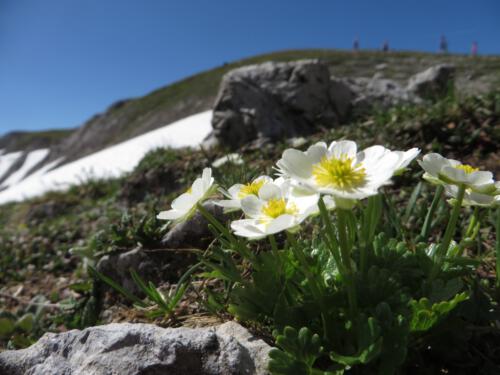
(140, 349)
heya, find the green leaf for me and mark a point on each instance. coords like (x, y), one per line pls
(426, 315)
(7, 326)
(299, 351)
(369, 344)
(117, 287)
(26, 322)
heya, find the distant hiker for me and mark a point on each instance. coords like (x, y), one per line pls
(473, 50)
(355, 44)
(443, 45)
(385, 46)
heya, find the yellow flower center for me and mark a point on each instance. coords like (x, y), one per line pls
(467, 168)
(190, 190)
(251, 189)
(277, 207)
(339, 173)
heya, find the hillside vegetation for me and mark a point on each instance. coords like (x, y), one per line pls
(47, 244)
(128, 118)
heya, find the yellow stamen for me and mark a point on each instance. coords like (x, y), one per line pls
(339, 173)
(251, 189)
(190, 190)
(467, 168)
(277, 207)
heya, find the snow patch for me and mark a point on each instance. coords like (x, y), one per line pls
(7, 160)
(113, 161)
(32, 159)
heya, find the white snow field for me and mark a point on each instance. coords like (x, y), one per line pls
(7, 160)
(32, 159)
(113, 161)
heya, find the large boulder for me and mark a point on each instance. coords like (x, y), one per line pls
(141, 349)
(433, 83)
(377, 92)
(273, 101)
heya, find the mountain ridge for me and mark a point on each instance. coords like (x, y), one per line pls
(128, 118)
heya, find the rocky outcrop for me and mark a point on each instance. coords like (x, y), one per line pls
(435, 82)
(141, 349)
(377, 93)
(273, 101)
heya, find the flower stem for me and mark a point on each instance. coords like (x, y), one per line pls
(345, 249)
(498, 248)
(239, 246)
(274, 246)
(330, 234)
(448, 234)
(430, 213)
(472, 223)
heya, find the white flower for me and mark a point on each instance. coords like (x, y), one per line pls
(239, 191)
(341, 171)
(472, 198)
(405, 158)
(276, 208)
(184, 206)
(442, 171)
(229, 158)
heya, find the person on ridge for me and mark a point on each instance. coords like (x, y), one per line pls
(385, 46)
(443, 45)
(473, 50)
(355, 45)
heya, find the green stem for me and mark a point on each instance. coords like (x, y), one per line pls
(472, 223)
(345, 250)
(430, 213)
(274, 246)
(330, 234)
(448, 234)
(498, 247)
(237, 244)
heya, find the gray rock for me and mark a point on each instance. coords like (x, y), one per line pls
(140, 349)
(375, 93)
(193, 233)
(432, 83)
(118, 266)
(272, 101)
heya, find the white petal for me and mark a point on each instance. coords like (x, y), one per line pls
(316, 152)
(183, 202)
(251, 206)
(454, 174)
(269, 191)
(343, 148)
(247, 228)
(406, 157)
(281, 223)
(170, 215)
(207, 179)
(481, 178)
(234, 191)
(296, 164)
(433, 163)
(197, 188)
(372, 154)
(229, 203)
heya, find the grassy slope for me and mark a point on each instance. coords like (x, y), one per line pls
(36, 235)
(197, 93)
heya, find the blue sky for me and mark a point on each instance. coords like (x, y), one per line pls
(62, 61)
